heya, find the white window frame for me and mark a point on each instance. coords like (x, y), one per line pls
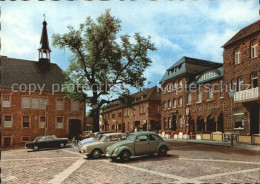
(59, 125)
(43, 103)
(164, 105)
(253, 77)
(240, 83)
(169, 104)
(74, 105)
(26, 104)
(211, 93)
(180, 102)
(174, 103)
(189, 98)
(199, 96)
(25, 121)
(59, 104)
(254, 49)
(237, 56)
(8, 124)
(6, 101)
(35, 103)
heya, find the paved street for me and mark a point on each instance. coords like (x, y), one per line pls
(187, 162)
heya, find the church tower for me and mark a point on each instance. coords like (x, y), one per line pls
(44, 50)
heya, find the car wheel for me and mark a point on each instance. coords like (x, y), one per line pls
(35, 148)
(62, 145)
(96, 153)
(162, 151)
(125, 156)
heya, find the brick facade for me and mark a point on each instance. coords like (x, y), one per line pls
(144, 114)
(245, 115)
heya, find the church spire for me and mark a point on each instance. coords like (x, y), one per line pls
(44, 50)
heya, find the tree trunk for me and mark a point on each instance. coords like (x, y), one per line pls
(96, 121)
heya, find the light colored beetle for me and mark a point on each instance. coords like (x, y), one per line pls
(96, 149)
(138, 143)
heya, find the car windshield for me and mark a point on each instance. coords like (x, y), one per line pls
(103, 138)
(130, 137)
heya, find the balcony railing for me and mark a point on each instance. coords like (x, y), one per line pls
(247, 95)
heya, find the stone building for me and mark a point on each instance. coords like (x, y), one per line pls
(191, 97)
(143, 114)
(32, 102)
(241, 72)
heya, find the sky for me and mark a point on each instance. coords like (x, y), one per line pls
(192, 28)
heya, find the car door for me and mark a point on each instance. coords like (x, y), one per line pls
(41, 142)
(154, 141)
(142, 145)
(50, 142)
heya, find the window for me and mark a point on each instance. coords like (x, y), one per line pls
(233, 84)
(169, 104)
(6, 101)
(59, 122)
(169, 122)
(180, 84)
(119, 114)
(26, 102)
(240, 84)
(165, 123)
(142, 138)
(153, 138)
(143, 108)
(125, 113)
(113, 115)
(222, 88)
(174, 103)
(8, 121)
(74, 105)
(181, 121)
(119, 127)
(254, 49)
(237, 56)
(59, 104)
(26, 122)
(175, 86)
(199, 96)
(25, 139)
(42, 122)
(43, 103)
(170, 86)
(35, 103)
(189, 98)
(254, 80)
(164, 105)
(211, 93)
(180, 102)
(113, 127)
(134, 112)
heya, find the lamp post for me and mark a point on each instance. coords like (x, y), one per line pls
(231, 95)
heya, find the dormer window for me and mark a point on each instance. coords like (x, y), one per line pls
(237, 56)
(254, 49)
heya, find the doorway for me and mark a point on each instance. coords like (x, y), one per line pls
(74, 127)
(254, 119)
(174, 124)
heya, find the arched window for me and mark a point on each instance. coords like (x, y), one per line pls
(199, 96)
(174, 103)
(237, 56)
(169, 104)
(169, 122)
(180, 102)
(254, 49)
(165, 123)
(164, 105)
(189, 98)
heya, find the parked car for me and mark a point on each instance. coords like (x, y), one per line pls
(46, 141)
(96, 149)
(96, 137)
(137, 143)
(83, 135)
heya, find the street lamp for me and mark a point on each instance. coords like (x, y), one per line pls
(231, 95)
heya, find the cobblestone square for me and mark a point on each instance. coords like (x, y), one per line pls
(186, 162)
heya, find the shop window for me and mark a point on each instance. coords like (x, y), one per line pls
(7, 142)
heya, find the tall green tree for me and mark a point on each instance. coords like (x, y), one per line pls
(103, 63)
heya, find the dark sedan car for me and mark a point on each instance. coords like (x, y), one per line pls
(46, 141)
